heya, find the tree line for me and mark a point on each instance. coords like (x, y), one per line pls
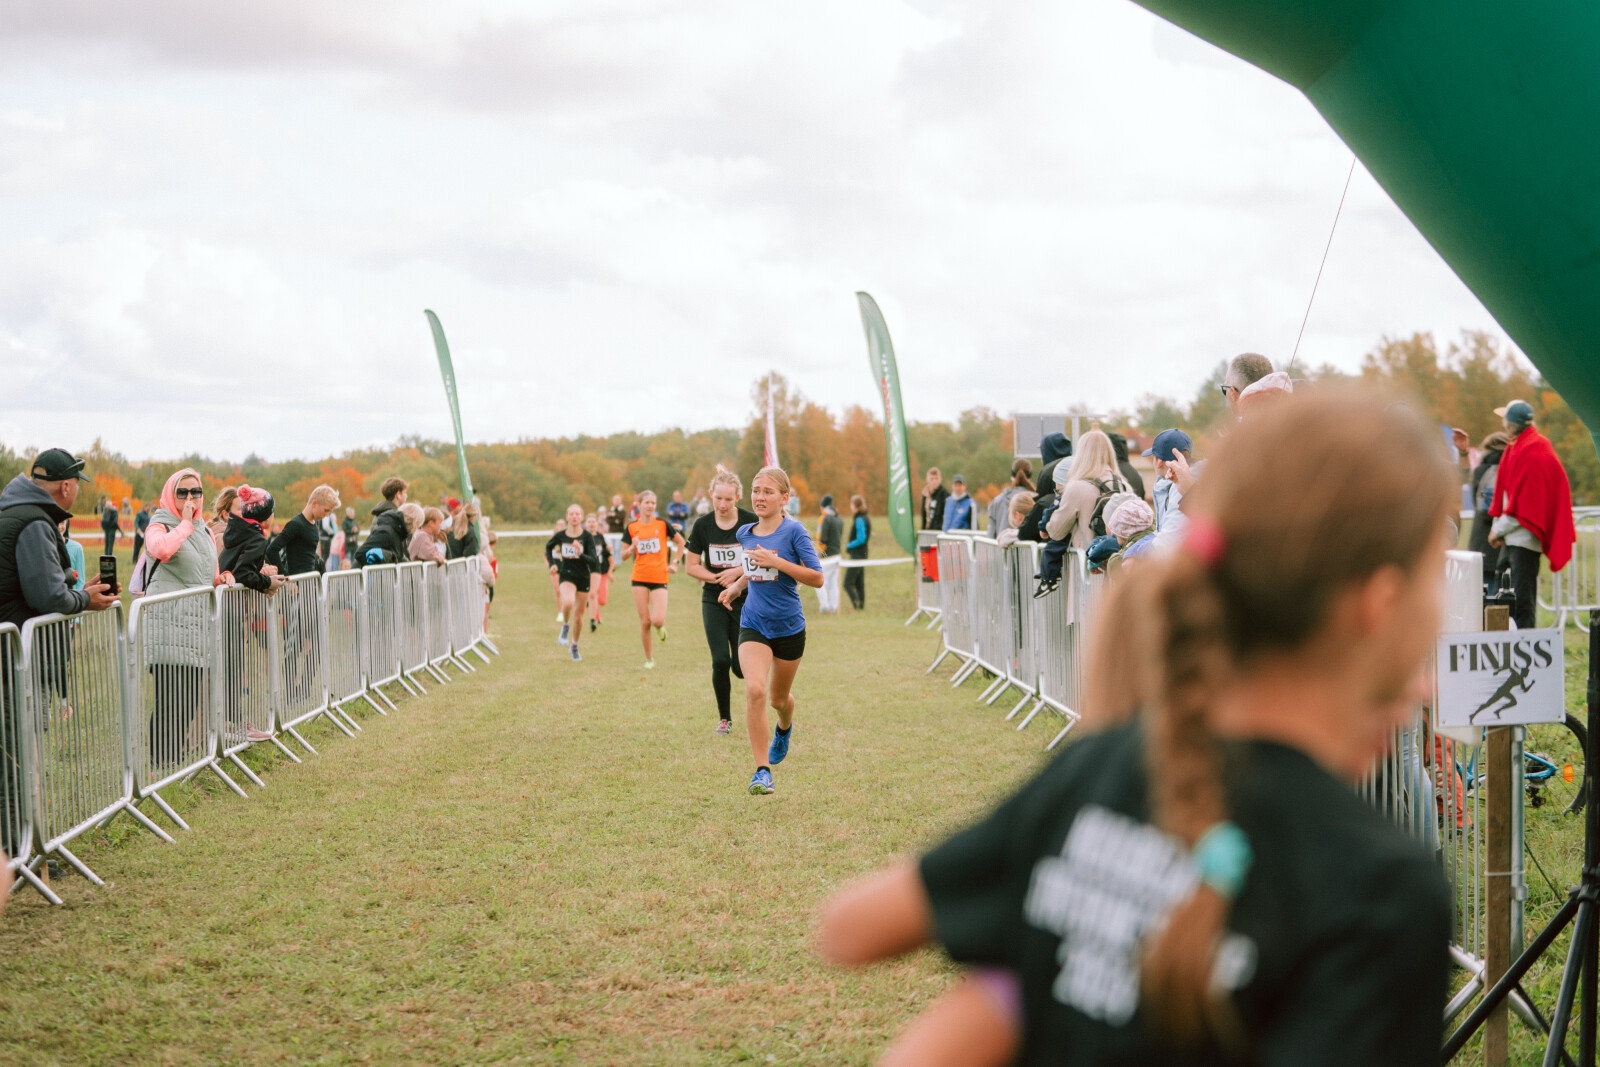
(531, 481)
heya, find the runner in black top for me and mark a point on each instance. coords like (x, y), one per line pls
(572, 555)
(600, 584)
(1197, 883)
(716, 558)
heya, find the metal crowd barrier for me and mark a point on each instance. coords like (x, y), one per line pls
(73, 683)
(461, 577)
(927, 578)
(1572, 592)
(381, 589)
(303, 690)
(96, 717)
(347, 679)
(438, 620)
(955, 608)
(412, 608)
(172, 646)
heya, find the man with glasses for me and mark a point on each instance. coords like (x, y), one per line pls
(1244, 370)
(36, 575)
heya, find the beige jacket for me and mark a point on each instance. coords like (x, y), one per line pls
(1072, 515)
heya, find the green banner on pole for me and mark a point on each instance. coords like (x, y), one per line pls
(880, 352)
(448, 372)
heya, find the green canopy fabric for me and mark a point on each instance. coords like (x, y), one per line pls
(1482, 121)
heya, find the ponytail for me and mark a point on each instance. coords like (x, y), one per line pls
(1186, 793)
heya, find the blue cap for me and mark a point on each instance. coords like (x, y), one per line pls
(1517, 413)
(1167, 440)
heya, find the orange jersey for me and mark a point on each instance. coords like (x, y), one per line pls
(649, 541)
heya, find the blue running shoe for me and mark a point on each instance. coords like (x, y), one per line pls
(780, 745)
(761, 782)
(564, 636)
(577, 657)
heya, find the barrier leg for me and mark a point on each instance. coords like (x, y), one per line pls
(965, 672)
(248, 773)
(292, 732)
(216, 766)
(285, 749)
(416, 682)
(438, 675)
(490, 645)
(915, 615)
(940, 659)
(476, 651)
(1025, 698)
(166, 809)
(1071, 722)
(404, 684)
(998, 692)
(466, 668)
(346, 718)
(381, 696)
(33, 879)
(936, 620)
(81, 867)
(1037, 706)
(144, 820)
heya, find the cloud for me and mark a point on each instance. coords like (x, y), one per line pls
(225, 221)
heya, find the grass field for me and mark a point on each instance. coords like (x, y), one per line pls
(546, 862)
(551, 862)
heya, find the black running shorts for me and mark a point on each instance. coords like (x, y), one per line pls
(785, 648)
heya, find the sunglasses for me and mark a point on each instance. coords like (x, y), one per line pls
(181, 493)
(1225, 389)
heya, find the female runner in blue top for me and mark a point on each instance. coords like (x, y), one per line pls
(778, 555)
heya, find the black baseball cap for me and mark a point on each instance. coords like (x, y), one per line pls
(57, 465)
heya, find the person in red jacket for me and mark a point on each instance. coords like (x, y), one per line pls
(1532, 509)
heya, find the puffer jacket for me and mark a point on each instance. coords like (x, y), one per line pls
(244, 550)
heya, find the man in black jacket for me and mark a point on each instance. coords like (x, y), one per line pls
(35, 570)
(388, 539)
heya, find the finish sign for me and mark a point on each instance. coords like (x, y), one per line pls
(1501, 678)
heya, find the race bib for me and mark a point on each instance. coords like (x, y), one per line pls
(758, 574)
(570, 551)
(648, 546)
(721, 557)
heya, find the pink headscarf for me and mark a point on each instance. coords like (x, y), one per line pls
(169, 492)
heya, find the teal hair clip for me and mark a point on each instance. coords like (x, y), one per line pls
(1222, 857)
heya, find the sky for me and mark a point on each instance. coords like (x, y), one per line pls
(220, 223)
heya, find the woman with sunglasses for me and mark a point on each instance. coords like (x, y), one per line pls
(179, 554)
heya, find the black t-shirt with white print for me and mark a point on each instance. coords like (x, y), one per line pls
(1337, 943)
(574, 557)
(717, 548)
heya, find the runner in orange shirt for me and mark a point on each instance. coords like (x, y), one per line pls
(650, 542)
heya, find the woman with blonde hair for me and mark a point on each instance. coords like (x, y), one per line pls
(778, 557)
(716, 558)
(1089, 494)
(221, 508)
(1195, 881)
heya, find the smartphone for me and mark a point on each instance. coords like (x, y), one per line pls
(108, 574)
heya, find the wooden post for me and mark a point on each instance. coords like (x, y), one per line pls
(1497, 952)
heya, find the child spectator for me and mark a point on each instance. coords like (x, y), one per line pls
(1021, 505)
(244, 543)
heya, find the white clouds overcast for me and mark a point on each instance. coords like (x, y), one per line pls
(221, 222)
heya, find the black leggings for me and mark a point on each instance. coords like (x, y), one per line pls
(855, 586)
(722, 634)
